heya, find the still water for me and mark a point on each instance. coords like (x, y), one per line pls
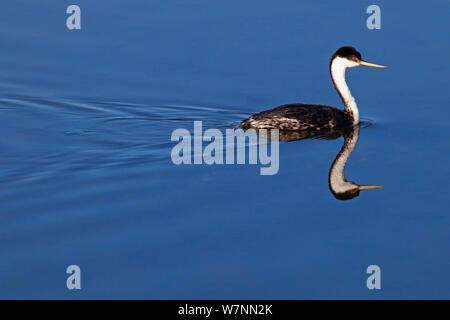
(86, 176)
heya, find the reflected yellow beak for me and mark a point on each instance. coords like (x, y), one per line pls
(364, 63)
(369, 187)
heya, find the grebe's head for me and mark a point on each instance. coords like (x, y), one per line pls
(349, 57)
(348, 190)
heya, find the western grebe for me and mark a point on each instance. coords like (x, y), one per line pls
(299, 116)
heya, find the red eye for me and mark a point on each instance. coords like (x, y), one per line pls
(354, 59)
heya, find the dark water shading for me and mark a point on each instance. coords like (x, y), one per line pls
(86, 176)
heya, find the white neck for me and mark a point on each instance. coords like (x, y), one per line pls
(336, 177)
(337, 70)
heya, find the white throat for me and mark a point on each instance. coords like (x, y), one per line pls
(337, 69)
(336, 177)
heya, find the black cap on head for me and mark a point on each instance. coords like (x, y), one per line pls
(347, 52)
(346, 195)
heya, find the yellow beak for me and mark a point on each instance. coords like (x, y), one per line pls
(369, 187)
(364, 63)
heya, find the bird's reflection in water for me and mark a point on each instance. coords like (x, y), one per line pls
(339, 186)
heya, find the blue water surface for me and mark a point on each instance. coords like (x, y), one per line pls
(86, 176)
